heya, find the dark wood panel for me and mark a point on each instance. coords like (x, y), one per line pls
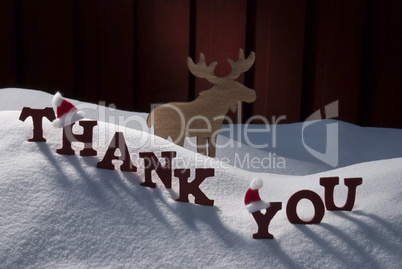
(393, 95)
(389, 87)
(86, 42)
(332, 65)
(115, 48)
(374, 55)
(105, 51)
(279, 42)
(133, 53)
(8, 62)
(162, 49)
(220, 33)
(48, 45)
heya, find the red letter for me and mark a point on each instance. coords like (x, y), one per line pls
(193, 187)
(164, 171)
(85, 137)
(37, 116)
(118, 142)
(329, 184)
(314, 198)
(263, 221)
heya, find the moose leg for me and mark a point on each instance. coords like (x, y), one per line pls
(201, 145)
(180, 142)
(178, 139)
(160, 133)
(212, 146)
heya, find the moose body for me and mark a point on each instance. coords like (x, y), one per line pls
(203, 117)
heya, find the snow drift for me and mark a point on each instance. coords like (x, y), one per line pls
(59, 211)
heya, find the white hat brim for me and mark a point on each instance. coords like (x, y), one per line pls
(257, 206)
(68, 118)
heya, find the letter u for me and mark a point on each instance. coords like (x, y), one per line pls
(329, 184)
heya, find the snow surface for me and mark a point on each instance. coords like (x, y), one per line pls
(59, 211)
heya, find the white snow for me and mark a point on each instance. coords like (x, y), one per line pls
(59, 211)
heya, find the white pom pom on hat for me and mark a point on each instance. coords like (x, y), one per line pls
(256, 183)
(57, 99)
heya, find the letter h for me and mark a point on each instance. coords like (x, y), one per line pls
(85, 137)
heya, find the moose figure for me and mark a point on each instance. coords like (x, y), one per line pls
(203, 117)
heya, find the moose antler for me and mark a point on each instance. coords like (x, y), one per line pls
(241, 65)
(201, 70)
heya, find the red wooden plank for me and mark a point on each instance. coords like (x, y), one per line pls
(116, 52)
(374, 55)
(105, 52)
(86, 50)
(220, 33)
(49, 52)
(388, 95)
(8, 67)
(335, 61)
(162, 50)
(279, 42)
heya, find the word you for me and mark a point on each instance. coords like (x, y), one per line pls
(118, 142)
(329, 183)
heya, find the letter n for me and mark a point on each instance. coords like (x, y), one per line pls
(37, 116)
(193, 187)
(118, 142)
(164, 172)
(329, 184)
(85, 137)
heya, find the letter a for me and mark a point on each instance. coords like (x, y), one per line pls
(329, 184)
(118, 142)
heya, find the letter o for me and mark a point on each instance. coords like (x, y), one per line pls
(295, 199)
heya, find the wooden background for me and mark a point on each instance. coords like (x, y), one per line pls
(133, 53)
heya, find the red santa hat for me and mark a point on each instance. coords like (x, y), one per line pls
(252, 198)
(67, 113)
